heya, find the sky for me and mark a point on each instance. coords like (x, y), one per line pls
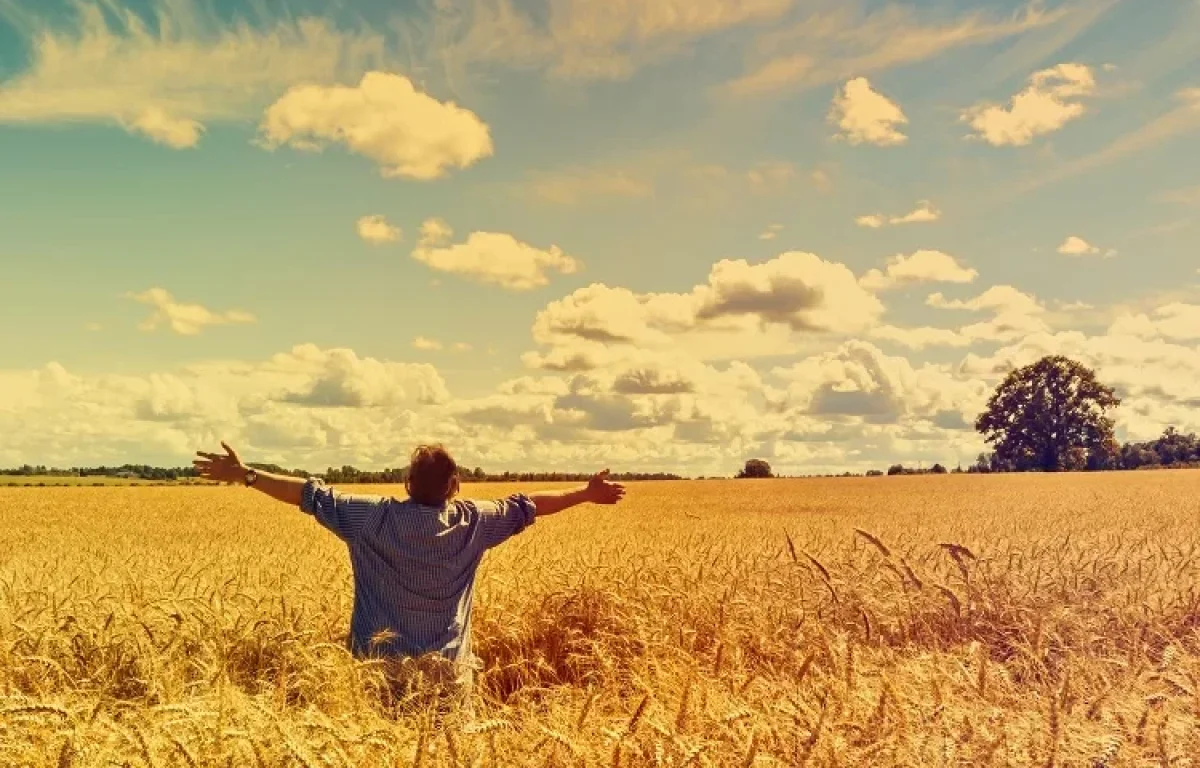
(666, 235)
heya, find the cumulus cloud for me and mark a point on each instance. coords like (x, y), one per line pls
(919, 267)
(1015, 314)
(340, 378)
(800, 290)
(1175, 321)
(925, 212)
(184, 319)
(1051, 100)
(858, 380)
(1077, 246)
(384, 118)
(376, 230)
(426, 345)
(998, 298)
(742, 311)
(652, 381)
(166, 78)
(863, 115)
(491, 257)
(155, 124)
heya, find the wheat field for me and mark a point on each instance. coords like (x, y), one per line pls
(917, 621)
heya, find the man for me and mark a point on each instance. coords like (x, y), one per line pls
(414, 560)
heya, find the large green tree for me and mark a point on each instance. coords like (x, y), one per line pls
(1050, 416)
(756, 468)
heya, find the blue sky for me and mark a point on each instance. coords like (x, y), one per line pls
(581, 170)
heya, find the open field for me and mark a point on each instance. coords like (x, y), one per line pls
(203, 626)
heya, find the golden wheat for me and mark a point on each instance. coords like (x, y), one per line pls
(920, 621)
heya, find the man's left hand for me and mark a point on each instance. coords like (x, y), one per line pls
(601, 490)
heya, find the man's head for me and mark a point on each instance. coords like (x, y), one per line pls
(432, 475)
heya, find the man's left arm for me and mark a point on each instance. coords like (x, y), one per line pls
(600, 490)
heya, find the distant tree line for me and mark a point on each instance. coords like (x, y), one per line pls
(344, 475)
(138, 471)
(1171, 450)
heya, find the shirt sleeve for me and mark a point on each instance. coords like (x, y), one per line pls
(343, 513)
(502, 519)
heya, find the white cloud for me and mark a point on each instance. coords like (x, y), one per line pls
(376, 230)
(427, 345)
(742, 311)
(864, 115)
(185, 319)
(490, 257)
(157, 125)
(1015, 314)
(925, 212)
(858, 380)
(340, 378)
(922, 266)
(1050, 102)
(771, 232)
(1175, 321)
(384, 118)
(166, 79)
(1077, 246)
(796, 289)
(998, 298)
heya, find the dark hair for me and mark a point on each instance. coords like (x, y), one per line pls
(432, 475)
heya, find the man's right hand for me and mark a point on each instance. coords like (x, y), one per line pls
(224, 469)
(603, 491)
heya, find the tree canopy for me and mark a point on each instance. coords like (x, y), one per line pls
(1050, 416)
(756, 468)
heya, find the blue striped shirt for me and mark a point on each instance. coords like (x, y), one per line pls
(414, 566)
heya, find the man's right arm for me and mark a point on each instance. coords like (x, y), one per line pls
(229, 468)
(342, 513)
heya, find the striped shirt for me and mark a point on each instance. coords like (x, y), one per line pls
(414, 566)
